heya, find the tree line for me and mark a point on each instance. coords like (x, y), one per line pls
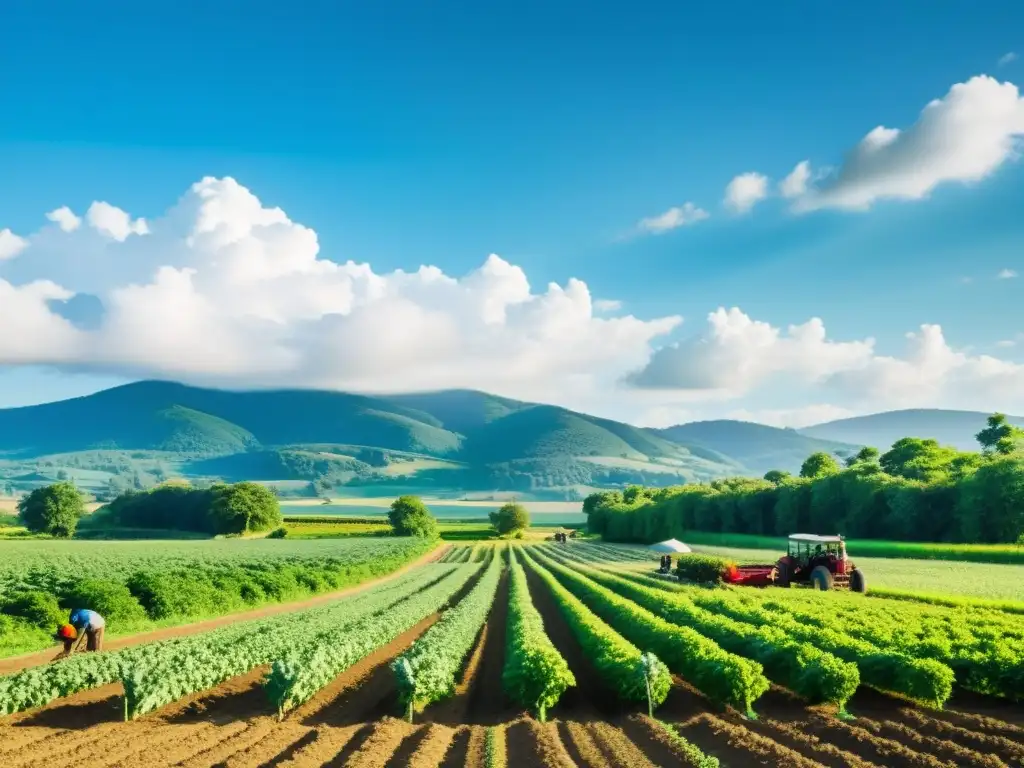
(918, 490)
(220, 509)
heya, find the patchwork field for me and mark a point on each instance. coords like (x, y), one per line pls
(542, 655)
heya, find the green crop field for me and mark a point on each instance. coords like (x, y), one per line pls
(546, 655)
(147, 584)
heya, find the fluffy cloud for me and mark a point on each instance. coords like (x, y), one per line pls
(795, 184)
(10, 244)
(222, 290)
(962, 137)
(1006, 274)
(745, 191)
(737, 355)
(607, 305)
(679, 216)
(65, 218)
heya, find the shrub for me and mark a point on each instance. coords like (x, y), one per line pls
(244, 507)
(510, 518)
(38, 608)
(110, 599)
(278, 533)
(703, 568)
(409, 516)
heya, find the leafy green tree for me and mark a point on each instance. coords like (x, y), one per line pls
(409, 516)
(776, 476)
(244, 508)
(510, 518)
(866, 455)
(819, 464)
(916, 458)
(53, 509)
(1000, 436)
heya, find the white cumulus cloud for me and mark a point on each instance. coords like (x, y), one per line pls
(225, 291)
(795, 184)
(65, 218)
(673, 218)
(963, 137)
(745, 191)
(113, 222)
(607, 305)
(1006, 274)
(10, 244)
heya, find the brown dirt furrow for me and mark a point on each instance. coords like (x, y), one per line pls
(132, 741)
(365, 691)
(476, 747)
(869, 745)
(84, 709)
(941, 748)
(479, 697)
(649, 736)
(215, 755)
(588, 697)
(432, 746)
(617, 746)
(94, 750)
(455, 757)
(550, 749)
(57, 748)
(1010, 750)
(381, 743)
(792, 735)
(326, 743)
(188, 746)
(16, 738)
(969, 722)
(269, 747)
(580, 745)
(239, 698)
(987, 708)
(735, 745)
(24, 661)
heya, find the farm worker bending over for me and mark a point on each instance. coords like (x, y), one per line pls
(90, 626)
(65, 634)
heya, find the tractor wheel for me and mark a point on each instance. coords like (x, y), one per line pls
(821, 578)
(782, 575)
(858, 583)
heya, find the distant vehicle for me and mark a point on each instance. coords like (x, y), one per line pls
(818, 561)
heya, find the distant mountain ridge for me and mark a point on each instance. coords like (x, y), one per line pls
(449, 439)
(881, 430)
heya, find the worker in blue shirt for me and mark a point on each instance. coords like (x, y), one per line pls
(90, 627)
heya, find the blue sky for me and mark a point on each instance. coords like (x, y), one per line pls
(413, 133)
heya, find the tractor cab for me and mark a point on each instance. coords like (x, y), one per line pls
(820, 561)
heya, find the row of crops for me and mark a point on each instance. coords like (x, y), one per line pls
(821, 646)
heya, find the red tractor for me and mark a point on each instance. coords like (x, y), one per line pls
(818, 561)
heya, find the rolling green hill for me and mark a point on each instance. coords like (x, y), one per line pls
(307, 441)
(881, 430)
(756, 447)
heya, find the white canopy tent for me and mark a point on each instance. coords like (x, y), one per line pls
(671, 547)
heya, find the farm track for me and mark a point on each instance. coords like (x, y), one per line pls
(354, 722)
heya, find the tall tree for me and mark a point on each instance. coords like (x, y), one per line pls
(819, 464)
(866, 455)
(1000, 436)
(54, 509)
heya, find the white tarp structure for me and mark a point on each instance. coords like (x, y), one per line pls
(672, 546)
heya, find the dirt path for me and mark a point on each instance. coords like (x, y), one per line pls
(18, 663)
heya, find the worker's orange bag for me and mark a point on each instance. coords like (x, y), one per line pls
(68, 632)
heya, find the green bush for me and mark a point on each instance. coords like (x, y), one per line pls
(278, 533)
(409, 516)
(510, 518)
(112, 600)
(703, 568)
(40, 609)
(53, 510)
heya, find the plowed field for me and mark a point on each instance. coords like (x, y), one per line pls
(357, 721)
